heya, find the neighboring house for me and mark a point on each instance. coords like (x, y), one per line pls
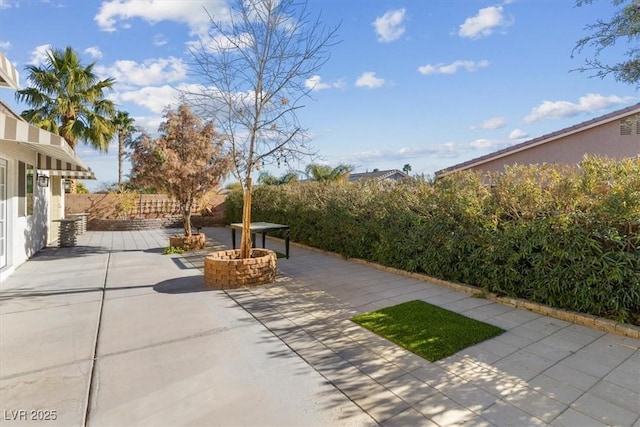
(388, 175)
(614, 135)
(33, 166)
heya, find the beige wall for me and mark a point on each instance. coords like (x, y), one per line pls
(603, 140)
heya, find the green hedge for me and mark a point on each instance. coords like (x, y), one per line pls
(565, 237)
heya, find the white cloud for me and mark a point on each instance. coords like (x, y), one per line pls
(39, 54)
(93, 52)
(315, 83)
(150, 72)
(482, 143)
(390, 26)
(7, 4)
(452, 68)
(586, 104)
(368, 79)
(518, 134)
(487, 145)
(406, 153)
(493, 123)
(484, 23)
(192, 13)
(159, 40)
(220, 43)
(5, 45)
(155, 99)
(149, 123)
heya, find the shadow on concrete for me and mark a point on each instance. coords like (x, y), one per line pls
(182, 285)
(55, 252)
(178, 285)
(154, 250)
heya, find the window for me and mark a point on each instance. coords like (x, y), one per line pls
(26, 182)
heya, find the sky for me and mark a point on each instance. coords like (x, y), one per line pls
(425, 83)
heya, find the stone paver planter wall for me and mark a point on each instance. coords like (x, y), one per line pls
(224, 270)
(189, 243)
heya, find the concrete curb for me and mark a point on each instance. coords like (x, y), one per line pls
(595, 322)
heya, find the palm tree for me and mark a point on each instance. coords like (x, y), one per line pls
(318, 172)
(68, 99)
(124, 128)
(266, 178)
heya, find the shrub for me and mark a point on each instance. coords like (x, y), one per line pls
(562, 236)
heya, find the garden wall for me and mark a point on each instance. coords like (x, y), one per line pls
(133, 211)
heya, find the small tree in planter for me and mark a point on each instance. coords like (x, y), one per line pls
(186, 162)
(258, 65)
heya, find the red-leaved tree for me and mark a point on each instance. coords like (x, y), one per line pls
(186, 161)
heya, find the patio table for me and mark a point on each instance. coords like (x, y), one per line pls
(264, 228)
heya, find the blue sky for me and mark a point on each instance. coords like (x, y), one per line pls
(429, 83)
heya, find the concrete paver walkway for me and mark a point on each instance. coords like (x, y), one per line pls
(114, 333)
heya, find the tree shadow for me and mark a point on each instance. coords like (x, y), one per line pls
(182, 285)
(154, 251)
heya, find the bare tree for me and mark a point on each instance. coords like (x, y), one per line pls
(255, 70)
(186, 160)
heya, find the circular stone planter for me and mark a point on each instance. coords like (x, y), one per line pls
(225, 270)
(188, 243)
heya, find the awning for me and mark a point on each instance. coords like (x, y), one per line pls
(8, 73)
(71, 174)
(54, 154)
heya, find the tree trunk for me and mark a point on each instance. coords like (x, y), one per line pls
(186, 219)
(120, 158)
(245, 244)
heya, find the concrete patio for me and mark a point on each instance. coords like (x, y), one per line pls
(113, 333)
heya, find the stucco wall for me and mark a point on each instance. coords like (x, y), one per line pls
(603, 140)
(26, 235)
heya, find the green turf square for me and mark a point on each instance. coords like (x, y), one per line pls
(430, 332)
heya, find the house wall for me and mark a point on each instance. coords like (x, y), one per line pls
(25, 234)
(603, 140)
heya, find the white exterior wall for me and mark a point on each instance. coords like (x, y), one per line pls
(26, 235)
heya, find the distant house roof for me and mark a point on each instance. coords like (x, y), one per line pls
(392, 174)
(615, 115)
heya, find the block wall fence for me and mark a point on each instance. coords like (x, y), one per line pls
(114, 212)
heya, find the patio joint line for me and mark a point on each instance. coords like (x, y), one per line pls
(90, 392)
(281, 339)
(600, 380)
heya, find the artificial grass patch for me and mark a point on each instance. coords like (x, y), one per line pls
(430, 332)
